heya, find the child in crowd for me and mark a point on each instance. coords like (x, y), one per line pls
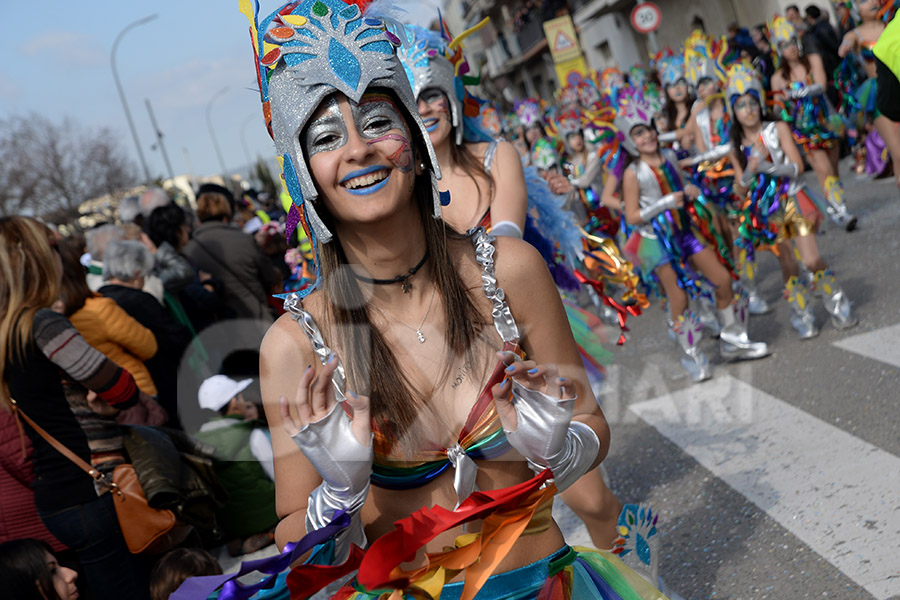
(177, 566)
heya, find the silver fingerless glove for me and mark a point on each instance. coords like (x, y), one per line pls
(665, 203)
(546, 436)
(765, 167)
(345, 466)
(807, 90)
(669, 137)
(720, 151)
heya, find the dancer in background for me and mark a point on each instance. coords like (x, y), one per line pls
(775, 206)
(667, 244)
(800, 84)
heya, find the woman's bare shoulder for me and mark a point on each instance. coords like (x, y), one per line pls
(286, 338)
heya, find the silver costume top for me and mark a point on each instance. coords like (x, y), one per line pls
(769, 135)
(489, 154)
(465, 469)
(649, 190)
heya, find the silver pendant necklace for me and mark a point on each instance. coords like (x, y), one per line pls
(419, 335)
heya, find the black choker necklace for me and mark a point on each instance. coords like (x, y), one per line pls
(403, 280)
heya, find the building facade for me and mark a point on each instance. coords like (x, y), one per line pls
(515, 58)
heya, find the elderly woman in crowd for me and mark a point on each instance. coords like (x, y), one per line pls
(232, 257)
(125, 266)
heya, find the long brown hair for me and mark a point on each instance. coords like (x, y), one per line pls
(372, 368)
(29, 281)
(471, 166)
(785, 68)
(74, 290)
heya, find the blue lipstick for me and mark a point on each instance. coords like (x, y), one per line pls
(431, 124)
(363, 172)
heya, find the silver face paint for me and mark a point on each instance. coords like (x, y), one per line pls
(374, 116)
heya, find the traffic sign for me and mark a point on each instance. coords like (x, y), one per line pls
(646, 17)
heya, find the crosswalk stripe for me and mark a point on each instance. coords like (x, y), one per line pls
(880, 344)
(837, 493)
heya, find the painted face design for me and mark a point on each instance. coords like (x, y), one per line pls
(379, 122)
(435, 108)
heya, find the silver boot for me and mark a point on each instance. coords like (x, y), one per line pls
(837, 209)
(706, 312)
(802, 317)
(747, 272)
(734, 343)
(835, 300)
(689, 332)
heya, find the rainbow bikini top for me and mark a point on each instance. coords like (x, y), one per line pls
(482, 436)
(866, 51)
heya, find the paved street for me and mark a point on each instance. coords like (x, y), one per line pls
(780, 478)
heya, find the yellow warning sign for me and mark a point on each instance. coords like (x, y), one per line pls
(571, 71)
(561, 39)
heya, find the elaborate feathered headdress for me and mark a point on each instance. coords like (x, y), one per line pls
(670, 67)
(566, 97)
(305, 51)
(633, 110)
(435, 60)
(704, 59)
(530, 111)
(744, 79)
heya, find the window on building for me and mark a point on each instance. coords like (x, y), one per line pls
(605, 51)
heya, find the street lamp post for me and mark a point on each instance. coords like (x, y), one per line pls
(112, 60)
(244, 144)
(212, 132)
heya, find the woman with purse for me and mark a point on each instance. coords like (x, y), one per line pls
(38, 348)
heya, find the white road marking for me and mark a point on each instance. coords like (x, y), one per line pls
(880, 344)
(835, 492)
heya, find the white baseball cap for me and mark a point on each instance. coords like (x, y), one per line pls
(218, 390)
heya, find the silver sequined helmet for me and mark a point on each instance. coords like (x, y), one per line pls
(427, 67)
(633, 110)
(306, 51)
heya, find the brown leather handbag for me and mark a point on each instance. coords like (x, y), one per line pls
(145, 529)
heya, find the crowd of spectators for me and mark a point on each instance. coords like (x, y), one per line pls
(94, 333)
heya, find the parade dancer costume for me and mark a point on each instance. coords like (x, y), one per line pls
(671, 70)
(667, 235)
(305, 52)
(815, 123)
(434, 60)
(777, 208)
(713, 172)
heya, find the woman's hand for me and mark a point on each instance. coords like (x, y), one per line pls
(691, 191)
(99, 406)
(339, 448)
(535, 409)
(679, 199)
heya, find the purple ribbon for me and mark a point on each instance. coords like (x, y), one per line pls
(199, 588)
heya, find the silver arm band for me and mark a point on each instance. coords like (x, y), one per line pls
(507, 228)
(669, 137)
(575, 458)
(720, 151)
(665, 203)
(345, 466)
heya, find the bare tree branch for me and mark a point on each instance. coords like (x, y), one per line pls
(49, 169)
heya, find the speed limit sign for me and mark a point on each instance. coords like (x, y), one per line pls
(646, 17)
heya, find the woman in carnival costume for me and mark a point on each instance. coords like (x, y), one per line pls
(873, 17)
(434, 65)
(768, 167)
(543, 153)
(657, 198)
(800, 83)
(679, 101)
(711, 127)
(399, 364)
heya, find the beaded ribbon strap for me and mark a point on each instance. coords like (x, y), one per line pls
(294, 305)
(484, 254)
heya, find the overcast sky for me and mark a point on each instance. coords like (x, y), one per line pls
(56, 62)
